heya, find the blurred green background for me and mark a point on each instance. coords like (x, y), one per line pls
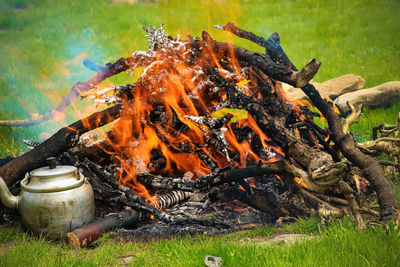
(43, 44)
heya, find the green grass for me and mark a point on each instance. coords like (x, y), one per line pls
(43, 44)
(338, 245)
(369, 118)
(42, 47)
(362, 130)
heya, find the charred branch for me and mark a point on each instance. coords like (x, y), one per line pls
(103, 73)
(263, 62)
(371, 168)
(348, 194)
(84, 236)
(62, 140)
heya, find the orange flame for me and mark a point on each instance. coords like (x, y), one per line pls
(172, 86)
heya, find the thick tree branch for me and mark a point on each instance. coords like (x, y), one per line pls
(371, 168)
(65, 138)
(110, 69)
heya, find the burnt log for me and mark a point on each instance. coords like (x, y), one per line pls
(344, 141)
(323, 178)
(273, 69)
(85, 235)
(110, 69)
(65, 138)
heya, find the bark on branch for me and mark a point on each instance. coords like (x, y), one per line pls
(110, 69)
(371, 168)
(65, 138)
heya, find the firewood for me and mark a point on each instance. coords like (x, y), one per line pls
(330, 88)
(348, 193)
(273, 69)
(381, 95)
(371, 168)
(85, 235)
(355, 113)
(386, 130)
(103, 73)
(65, 138)
(166, 127)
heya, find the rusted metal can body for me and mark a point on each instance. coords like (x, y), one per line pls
(55, 200)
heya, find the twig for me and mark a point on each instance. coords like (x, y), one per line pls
(348, 194)
(355, 113)
(332, 199)
(315, 199)
(103, 73)
(373, 171)
(65, 138)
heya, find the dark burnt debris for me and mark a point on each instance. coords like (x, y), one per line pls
(206, 141)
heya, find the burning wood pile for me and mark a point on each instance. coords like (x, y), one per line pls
(207, 125)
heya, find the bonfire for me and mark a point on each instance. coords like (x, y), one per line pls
(206, 140)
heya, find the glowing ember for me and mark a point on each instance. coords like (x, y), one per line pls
(167, 117)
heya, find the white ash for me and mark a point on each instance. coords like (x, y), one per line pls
(221, 137)
(124, 188)
(197, 119)
(88, 138)
(188, 175)
(139, 165)
(156, 37)
(108, 99)
(193, 96)
(215, 89)
(203, 84)
(269, 152)
(141, 54)
(133, 144)
(198, 73)
(225, 74)
(153, 64)
(219, 27)
(106, 90)
(222, 105)
(141, 58)
(162, 43)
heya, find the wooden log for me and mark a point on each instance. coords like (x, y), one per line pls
(345, 142)
(330, 88)
(84, 236)
(65, 138)
(275, 70)
(110, 69)
(382, 95)
(355, 209)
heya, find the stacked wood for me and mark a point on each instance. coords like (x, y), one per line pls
(168, 111)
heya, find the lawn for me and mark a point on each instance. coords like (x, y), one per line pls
(43, 44)
(336, 245)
